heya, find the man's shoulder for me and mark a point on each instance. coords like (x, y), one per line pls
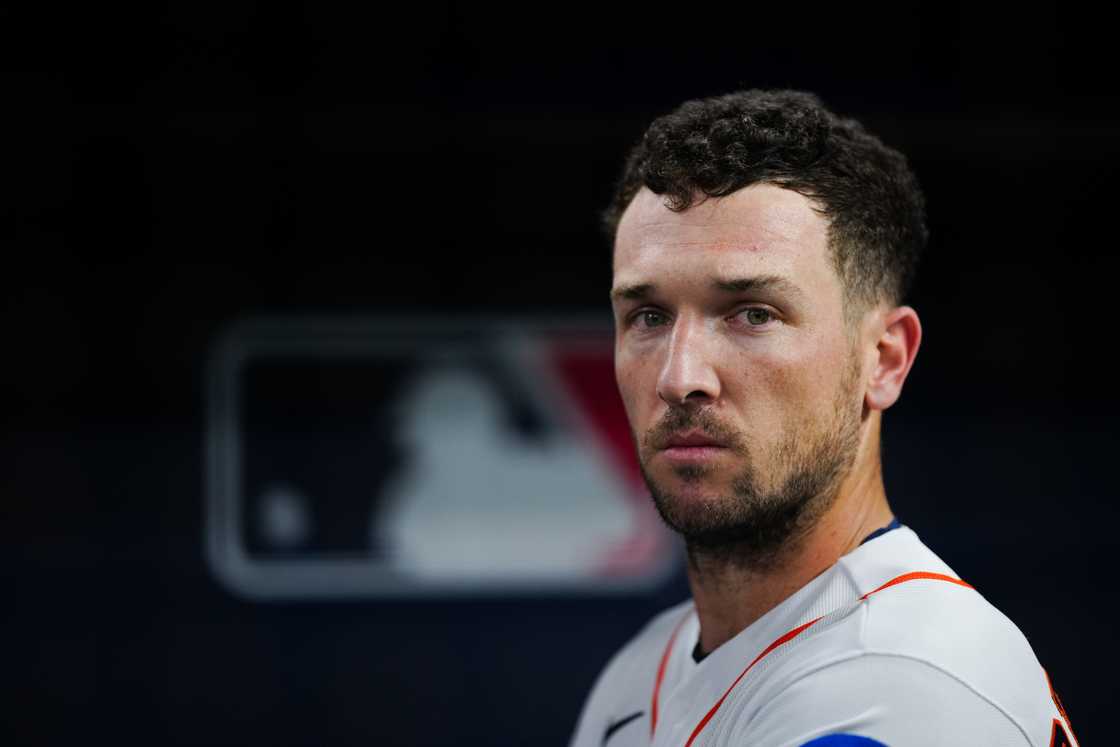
(915, 667)
(923, 610)
(944, 621)
(918, 634)
(954, 629)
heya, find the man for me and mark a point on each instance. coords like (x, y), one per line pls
(762, 250)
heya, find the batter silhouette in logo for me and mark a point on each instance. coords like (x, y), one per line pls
(473, 498)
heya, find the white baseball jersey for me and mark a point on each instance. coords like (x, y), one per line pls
(888, 646)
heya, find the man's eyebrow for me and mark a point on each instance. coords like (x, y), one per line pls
(632, 292)
(730, 285)
(759, 282)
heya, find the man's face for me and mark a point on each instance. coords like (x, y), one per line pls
(730, 328)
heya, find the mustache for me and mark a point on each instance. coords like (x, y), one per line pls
(703, 420)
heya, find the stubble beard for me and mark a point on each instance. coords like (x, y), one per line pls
(765, 515)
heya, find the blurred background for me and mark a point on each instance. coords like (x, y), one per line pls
(171, 168)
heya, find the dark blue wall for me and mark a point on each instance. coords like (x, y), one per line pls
(170, 168)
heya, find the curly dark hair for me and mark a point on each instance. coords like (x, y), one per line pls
(715, 146)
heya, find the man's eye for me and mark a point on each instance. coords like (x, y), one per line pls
(757, 317)
(650, 318)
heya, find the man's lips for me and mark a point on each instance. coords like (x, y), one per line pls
(692, 447)
(691, 439)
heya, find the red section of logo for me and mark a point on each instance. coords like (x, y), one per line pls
(589, 378)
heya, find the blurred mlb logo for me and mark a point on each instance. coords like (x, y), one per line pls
(372, 457)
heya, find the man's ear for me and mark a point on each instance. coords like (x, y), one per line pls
(900, 334)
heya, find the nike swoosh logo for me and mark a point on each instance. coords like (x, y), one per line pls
(612, 728)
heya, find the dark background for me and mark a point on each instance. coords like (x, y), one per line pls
(170, 167)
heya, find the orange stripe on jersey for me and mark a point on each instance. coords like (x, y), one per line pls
(780, 641)
(916, 576)
(1061, 709)
(661, 675)
(1058, 736)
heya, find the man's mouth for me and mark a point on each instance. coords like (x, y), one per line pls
(692, 447)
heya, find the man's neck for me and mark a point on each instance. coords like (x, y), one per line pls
(729, 597)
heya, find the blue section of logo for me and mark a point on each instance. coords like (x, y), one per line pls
(843, 740)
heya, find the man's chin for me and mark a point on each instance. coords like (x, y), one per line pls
(705, 524)
(692, 500)
(695, 508)
(746, 543)
(750, 532)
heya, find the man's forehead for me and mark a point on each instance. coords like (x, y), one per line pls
(761, 223)
(759, 208)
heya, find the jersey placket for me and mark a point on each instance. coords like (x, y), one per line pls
(690, 690)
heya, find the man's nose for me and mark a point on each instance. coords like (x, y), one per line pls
(688, 374)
